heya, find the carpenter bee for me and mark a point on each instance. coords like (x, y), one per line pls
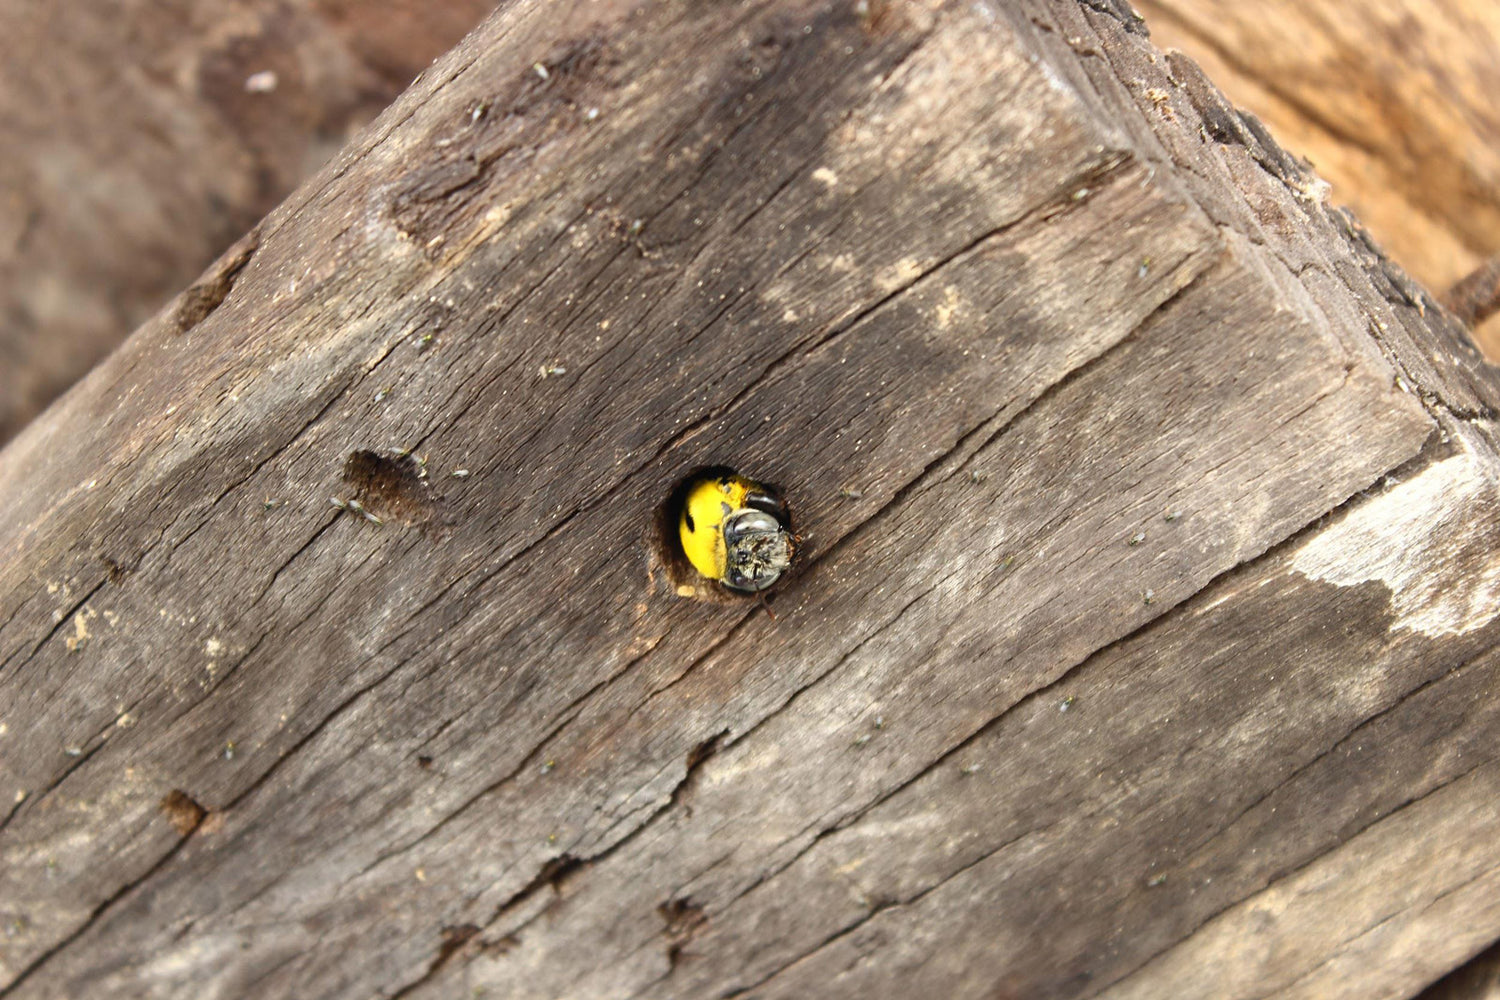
(735, 530)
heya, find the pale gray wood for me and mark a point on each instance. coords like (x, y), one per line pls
(1098, 472)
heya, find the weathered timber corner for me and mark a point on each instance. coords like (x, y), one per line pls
(1141, 644)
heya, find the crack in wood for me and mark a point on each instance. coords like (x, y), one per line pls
(250, 651)
(749, 616)
(1157, 955)
(57, 627)
(329, 520)
(1339, 949)
(564, 718)
(496, 323)
(94, 915)
(1108, 171)
(812, 682)
(879, 907)
(339, 393)
(1341, 743)
(551, 873)
(349, 702)
(93, 745)
(1282, 877)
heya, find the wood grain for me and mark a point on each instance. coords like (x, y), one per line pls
(1106, 436)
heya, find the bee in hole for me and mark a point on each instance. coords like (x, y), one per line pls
(734, 530)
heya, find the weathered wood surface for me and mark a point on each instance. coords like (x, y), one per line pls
(141, 138)
(1394, 101)
(1142, 639)
(85, 260)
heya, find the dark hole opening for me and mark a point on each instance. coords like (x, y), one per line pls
(390, 486)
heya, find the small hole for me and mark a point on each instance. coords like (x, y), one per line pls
(390, 487)
(182, 812)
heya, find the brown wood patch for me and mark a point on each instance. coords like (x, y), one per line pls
(1100, 434)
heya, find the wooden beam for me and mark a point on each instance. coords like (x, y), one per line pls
(1136, 491)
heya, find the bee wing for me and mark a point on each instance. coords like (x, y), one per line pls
(768, 502)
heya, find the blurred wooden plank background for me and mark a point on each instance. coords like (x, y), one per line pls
(1393, 101)
(141, 138)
